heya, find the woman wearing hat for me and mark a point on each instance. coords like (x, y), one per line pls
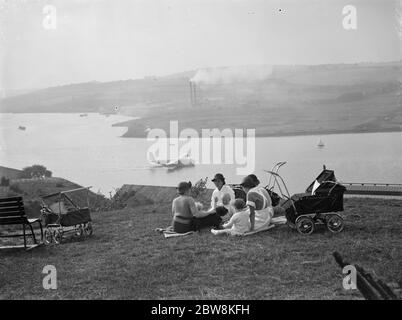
(258, 203)
(222, 197)
(186, 216)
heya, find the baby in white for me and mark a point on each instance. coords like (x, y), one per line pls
(239, 223)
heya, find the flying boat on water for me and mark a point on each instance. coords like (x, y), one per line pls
(172, 164)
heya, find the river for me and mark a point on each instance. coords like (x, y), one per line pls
(89, 151)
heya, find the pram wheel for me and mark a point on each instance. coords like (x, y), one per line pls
(88, 230)
(334, 223)
(305, 225)
(48, 237)
(58, 236)
(79, 231)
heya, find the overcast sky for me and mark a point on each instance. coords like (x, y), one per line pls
(109, 40)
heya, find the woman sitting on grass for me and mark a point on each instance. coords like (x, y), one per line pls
(260, 207)
(239, 223)
(187, 216)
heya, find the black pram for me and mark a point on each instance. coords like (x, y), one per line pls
(319, 204)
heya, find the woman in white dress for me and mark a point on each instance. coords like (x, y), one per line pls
(260, 207)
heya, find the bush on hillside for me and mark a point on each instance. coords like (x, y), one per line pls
(199, 191)
(36, 171)
(4, 182)
(16, 189)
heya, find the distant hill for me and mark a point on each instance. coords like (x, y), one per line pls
(363, 97)
(9, 173)
(291, 82)
(99, 96)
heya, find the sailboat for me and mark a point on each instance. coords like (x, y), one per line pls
(320, 144)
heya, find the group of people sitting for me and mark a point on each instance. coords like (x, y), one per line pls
(226, 214)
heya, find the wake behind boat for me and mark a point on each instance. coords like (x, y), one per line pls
(172, 164)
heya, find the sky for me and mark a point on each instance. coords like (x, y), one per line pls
(107, 40)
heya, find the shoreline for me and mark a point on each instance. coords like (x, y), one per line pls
(138, 131)
(130, 133)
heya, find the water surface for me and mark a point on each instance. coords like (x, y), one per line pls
(89, 151)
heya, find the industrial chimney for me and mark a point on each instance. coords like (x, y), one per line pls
(193, 93)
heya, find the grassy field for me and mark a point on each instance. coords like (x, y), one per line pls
(127, 259)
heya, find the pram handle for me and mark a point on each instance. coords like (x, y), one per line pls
(276, 168)
(276, 175)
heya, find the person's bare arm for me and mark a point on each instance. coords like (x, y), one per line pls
(195, 212)
(252, 217)
(213, 200)
(230, 223)
(209, 211)
(203, 213)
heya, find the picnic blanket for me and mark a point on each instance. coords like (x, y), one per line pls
(274, 222)
(265, 228)
(279, 220)
(169, 233)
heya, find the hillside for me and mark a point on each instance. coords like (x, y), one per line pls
(290, 100)
(98, 96)
(126, 259)
(32, 189)
(9, 173)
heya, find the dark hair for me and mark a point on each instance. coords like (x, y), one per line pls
(221, 211)
(219, 176)
(255, 179)
(248, 182)
(183, 187)
(239, 204)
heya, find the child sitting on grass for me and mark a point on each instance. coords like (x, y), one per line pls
(239, 223)
(229, 206)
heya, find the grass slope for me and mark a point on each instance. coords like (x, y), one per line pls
(127, 259)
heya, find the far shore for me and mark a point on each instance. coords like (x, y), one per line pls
(139, 131)
(137, 126)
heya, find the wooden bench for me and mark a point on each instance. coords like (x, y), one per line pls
(12, 212)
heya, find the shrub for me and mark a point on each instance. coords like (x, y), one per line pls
(199, 190)
(4, 182)
(36, 171)
(16, 189)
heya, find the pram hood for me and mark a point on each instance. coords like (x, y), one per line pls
(326, 180)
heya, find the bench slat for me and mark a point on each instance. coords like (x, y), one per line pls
(11, 199)
(12, 209)
(12, 214)
(11, 204)
(13, 220)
